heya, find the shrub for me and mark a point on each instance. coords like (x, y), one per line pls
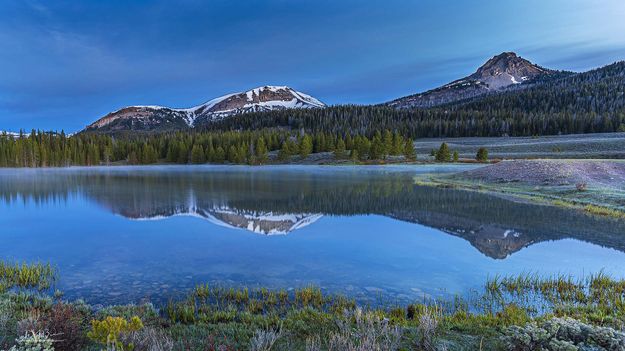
(263, 340)
(361, 331)
(148, 339)
(110, 331)
(482, 154)
(561, 334)
(428, 325)
(67, 323)
(32, 341)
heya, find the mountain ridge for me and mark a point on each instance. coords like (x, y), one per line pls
(502, 72)
(260, 99)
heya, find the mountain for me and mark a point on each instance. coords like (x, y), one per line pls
(263, 222)
(503, 72)
(159, 118)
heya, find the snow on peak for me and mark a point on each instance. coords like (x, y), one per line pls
(265, 98)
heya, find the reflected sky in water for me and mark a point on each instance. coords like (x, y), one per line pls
(128, 234)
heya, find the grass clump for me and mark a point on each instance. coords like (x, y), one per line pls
(40, 276)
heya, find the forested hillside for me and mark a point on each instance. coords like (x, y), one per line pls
(40, 149)
(590, 102)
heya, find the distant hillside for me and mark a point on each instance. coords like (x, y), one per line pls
(520, 99)
(160, 118)
(599, 92)
(589, 102)
(504, 72)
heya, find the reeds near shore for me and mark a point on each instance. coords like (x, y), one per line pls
(40, 276)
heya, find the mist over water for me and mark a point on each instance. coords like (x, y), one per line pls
(126, 234)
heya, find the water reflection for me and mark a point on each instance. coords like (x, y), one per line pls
(121, 234)
(280, 200)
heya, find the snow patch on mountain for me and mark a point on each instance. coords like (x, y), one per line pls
(267, 223)
(266, 98)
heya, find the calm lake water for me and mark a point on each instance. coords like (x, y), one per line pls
(129, 234)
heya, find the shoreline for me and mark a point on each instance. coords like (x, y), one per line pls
(495, 318)
(592, 198)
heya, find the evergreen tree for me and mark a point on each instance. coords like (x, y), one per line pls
(197, 154)
(482, 154)
(305, 146)
(443, 154)
(261, 151)
(409, 151)
(339, 151)
(220, 155)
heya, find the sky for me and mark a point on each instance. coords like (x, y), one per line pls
(66, 63)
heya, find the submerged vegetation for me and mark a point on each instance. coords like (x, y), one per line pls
(524, 312)
(37, 275)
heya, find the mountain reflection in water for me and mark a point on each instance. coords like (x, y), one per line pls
(121, 234)
(266, 203)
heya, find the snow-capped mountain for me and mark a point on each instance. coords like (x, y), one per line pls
(260, 99)
(502, 72)
(268, 223)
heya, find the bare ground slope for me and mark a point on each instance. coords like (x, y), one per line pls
(593, 173)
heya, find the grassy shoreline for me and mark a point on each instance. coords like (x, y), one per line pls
(213, 318)
(590, 198)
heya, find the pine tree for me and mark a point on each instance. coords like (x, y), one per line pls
(387, 144)
(305, 146)
(482, 154)
(197, 154)
(284, 152)
(443, 154)
(339, 151)
(220, 155)
(409, 151)
(261, 151)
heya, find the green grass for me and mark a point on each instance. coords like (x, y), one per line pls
(211, 315)
(39, 276)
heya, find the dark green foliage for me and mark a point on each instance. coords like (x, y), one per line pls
(197, 154)
(339, 151)
(305, 146)
(261, 150)
(482, 154)
(47, 149)
(409, 151)
(590, 102)
(443, 154)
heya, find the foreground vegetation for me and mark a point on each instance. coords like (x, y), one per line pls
(512, 313)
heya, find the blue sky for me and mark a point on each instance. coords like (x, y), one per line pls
(65, 63)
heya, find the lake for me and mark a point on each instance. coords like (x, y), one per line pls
(131, 234)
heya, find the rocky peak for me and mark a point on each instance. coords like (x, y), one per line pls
(506, 69)
(501, 72)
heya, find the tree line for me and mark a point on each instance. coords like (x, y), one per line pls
(51, 149)
(589, 102)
